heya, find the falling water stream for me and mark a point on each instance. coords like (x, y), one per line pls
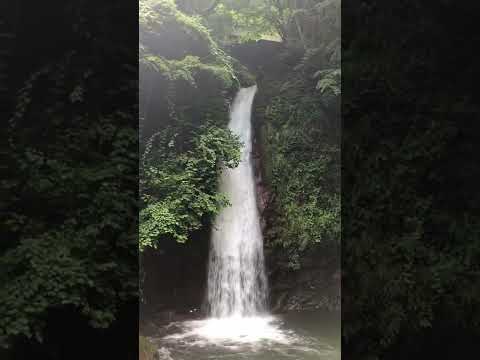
(239, 325)
(237, 284)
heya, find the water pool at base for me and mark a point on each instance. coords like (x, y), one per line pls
(295, 335)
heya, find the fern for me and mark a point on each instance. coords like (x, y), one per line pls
(329, 81)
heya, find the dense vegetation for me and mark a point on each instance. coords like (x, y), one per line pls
(184, 139)
(183, 115)
(300, 137)
(69, 233)
(410, 253)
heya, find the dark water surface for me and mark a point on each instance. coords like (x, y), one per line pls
(295, 335)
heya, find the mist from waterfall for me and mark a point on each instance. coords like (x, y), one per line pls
(237, 284)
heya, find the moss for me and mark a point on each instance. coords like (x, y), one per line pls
(146, 350)
(179, 48)
(187, 69)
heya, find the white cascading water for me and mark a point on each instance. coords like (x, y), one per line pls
(237, 284)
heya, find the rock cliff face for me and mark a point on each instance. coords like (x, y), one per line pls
(175, 278)
(316, 285)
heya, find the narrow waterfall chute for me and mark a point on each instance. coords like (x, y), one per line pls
(237, 284)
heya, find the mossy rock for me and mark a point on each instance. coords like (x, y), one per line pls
(146, 350)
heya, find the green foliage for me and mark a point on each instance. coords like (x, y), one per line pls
(330, 81)
(294, 22)
(155, 15)
(411, 195)
(303, 172)
(178, 189)
(70, 239)
(241, 21)
(184, 113)
(409, 255)
(187, 69)
(307, 23)
(300, 134)
(187, 48)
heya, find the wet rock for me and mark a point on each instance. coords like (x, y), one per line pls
(149, 328)
(315, 286)
(280, 303)
(165, 316)
(164, 354)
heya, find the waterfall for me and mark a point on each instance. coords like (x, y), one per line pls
(237, 284)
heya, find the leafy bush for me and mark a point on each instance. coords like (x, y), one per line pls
(179, 188)
(303, 171)
(176, 44)
(70, 238)
(185, 114)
